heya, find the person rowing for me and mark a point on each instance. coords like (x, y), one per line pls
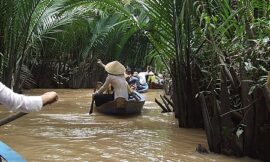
(116, 79)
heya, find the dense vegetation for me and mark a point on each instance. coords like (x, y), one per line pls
(58, 41)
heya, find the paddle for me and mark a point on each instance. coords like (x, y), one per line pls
(92, 103)
(11, 118)
(92, 106)
(98, 85)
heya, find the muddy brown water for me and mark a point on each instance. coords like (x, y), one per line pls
(65, 132)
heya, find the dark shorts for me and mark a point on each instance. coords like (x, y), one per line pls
(103, 98)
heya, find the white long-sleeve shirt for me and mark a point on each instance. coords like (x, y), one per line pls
(142, 77)
(18, 102)
(119, 86)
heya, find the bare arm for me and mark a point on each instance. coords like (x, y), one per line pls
(100, 63)
(49, 97)
(104, 86)
(148, 69)
(18, 102)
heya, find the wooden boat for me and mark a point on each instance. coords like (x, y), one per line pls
(8, 154)
(155, 86)
(122, 107)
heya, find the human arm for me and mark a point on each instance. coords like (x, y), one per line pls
(18, 102)
(104, 86)
(49, 97)
(100, 63)
(129, 88)
(148, 69)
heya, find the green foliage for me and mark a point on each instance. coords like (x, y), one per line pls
(62, 31)
(72, 31)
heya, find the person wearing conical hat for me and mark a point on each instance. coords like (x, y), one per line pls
(152, 78)
(116, 79)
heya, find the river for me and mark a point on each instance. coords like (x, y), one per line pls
(64, 131)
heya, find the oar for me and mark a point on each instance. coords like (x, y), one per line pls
(98, 85)
(92, 106)
(11, 118)
(92, 103)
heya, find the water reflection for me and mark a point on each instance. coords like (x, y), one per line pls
(65, 132)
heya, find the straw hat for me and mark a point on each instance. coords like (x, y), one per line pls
(151, 73)
(115, 68)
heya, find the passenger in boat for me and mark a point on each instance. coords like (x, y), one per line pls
(160, 79)
(152, 78)
(128, 74)
(116, 79)
(134, 80)
(155, 81)
(18, 102)
(143, 87)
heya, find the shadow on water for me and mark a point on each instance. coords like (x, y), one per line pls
(66, 132)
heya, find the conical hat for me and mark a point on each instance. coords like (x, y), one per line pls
(151, 73)
(115, 68)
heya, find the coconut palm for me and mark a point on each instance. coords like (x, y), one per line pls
(50, 29)
(107, 34)
(27, 24)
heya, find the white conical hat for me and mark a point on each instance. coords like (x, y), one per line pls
(115, 68)
(151, 73)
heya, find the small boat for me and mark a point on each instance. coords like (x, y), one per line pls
(120, 106)
(7, 154)
(155, 86)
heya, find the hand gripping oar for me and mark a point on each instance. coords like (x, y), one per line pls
(11, 118)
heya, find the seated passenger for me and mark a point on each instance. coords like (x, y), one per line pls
(160, 79)
(143, 87)
(128, 74)
(152, 78)
(134, 79)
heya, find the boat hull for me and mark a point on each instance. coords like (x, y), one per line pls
(122, 107)
(8, 154)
